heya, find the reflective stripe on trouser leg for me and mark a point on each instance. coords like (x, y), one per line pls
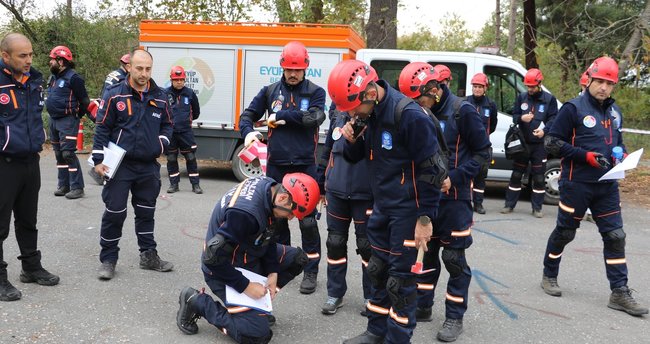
(115, 195)
(187, 146)
(479, 184)
(144, 192)
(75, 174)
(172, 168)
(338, 227)
(311, 241)
(458, 293)
(426, 283)
(514, 186)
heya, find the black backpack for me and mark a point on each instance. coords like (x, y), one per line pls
(515, 145)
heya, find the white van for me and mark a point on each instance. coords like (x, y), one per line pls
(506, 82)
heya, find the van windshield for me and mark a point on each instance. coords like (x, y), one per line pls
(505, 85)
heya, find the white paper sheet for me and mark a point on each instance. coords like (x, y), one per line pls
(618, 171)
(113, 155)
(233, 298)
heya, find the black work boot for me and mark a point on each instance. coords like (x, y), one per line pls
(40, 276)
(478, 207)
(186, 316)
(7, 291)
(173, 188)
(331, 305)
(106, 271)
(365, 338)
(451, 329)
(196, 188)
(621, 299)
(308, 284)
(61, 191)
(271, 319)
(423, 314)
(550, 286)
(149, 260)
(75, 193)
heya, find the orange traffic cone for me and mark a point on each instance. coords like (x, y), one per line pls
(80, 136)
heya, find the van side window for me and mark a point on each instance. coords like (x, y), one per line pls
(389, 70)
(505, 85)
(458, 81)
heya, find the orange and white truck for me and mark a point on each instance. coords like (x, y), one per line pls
(227, 63)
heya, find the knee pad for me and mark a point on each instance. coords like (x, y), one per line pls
(561, 236)
(393, 286)
(189, 156)
(68, 156)
(172, 157)
(309, 228)
(256, 340)
(298, 264)
(614, 240)
(454, 260)
(59, 156)
(377, 272)
(363, 248)
(484, 169)
(516, 176)
(538, 181)
(337, 245)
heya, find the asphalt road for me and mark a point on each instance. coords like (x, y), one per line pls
(506, 303)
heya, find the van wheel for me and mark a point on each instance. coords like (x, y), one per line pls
(243, 170)
(552, 182)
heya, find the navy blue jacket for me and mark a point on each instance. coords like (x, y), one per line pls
(302, 107)
(138, 122)
(65, 95)
(487, 110)
(394, 156)
(185, 107)
(21, 104)
(543, 105)
(586, 126)
(336, 175)
(467, 140)
(114, 77)
(244, 222)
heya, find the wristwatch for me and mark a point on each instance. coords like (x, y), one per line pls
(424, 220)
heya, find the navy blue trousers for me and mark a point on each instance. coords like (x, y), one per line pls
(537, 160)
(184, 143)
(63, 134)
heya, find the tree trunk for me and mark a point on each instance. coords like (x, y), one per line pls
(285, 15)
(68, 9)
(497, 25)
(315, 11)
(642, 24)
(530, 33)
(11, 6)
(512, 28)
(381, 31)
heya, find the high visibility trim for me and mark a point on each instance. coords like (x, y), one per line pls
(608, 214)
(425, 286)
(479, 190)
(235, 195)
(235, 310)
(566, 208)
(223, 330)
(364, 263)
(62, 166)
(368, 212)
(337, 261)
(539, 191)
(377, 309)
(13, 98)
(193, 146)
(175, 174)
(614, 261)
(313, 255)
(338, 217)
(399, 319)
(514, 188)
(145, 206)
(116, 239)
(454, 298)
(193, 174)
(464, 233)
(72, 170)
(116, 211)
(98, 151)
(163, 137)
(143, 233)
(554, 256)
(409, 243)
(71, 138)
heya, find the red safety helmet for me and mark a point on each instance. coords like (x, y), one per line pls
(584, 78)
(533, 77)
(604, 68)
(414, 77)
(347, 83)
(126, 58)
(177, 73)
(480, 79)
(443, 71)
(304, 191)
(294, 56)
(61, 51)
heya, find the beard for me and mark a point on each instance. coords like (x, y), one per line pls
(55, 69)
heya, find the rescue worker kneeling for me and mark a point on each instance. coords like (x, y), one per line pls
(241, 234)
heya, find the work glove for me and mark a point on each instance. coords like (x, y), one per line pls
(252, 136)
(92, 109)
(597, 160)
(273, 123)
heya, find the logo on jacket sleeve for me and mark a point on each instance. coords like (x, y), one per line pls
(120, 106)
(589, 121)
(336, 133)
(386, 140)
(524, 106)
(304, 104)
(4, 99)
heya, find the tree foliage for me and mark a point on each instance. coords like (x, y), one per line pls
(452, 36)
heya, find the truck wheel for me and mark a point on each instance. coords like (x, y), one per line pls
(243, 170)
(552, 182)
